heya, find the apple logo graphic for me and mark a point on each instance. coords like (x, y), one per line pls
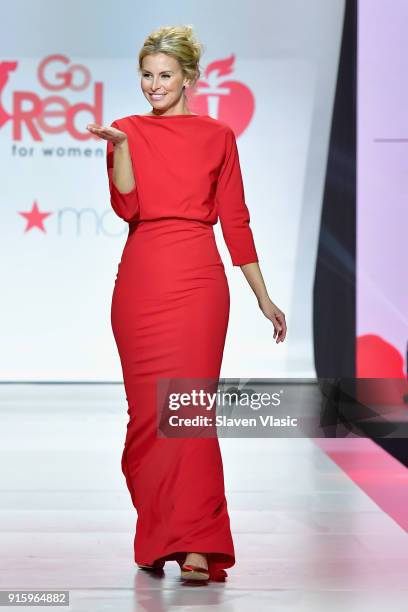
(227, 100)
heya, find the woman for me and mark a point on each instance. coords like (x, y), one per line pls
(171, 174)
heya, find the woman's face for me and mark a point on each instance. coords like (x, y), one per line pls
(162, 81)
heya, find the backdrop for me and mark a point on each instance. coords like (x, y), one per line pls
(270, 73)
(382, 212)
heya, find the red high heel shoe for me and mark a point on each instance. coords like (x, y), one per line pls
(194, 572)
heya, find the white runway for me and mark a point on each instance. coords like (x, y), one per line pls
(306, 537)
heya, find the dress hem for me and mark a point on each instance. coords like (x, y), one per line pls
(215, 559)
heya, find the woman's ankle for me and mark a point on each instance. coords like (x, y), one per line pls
(197, 559)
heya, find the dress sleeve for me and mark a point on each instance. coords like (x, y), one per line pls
(125, 205)
(232, 209)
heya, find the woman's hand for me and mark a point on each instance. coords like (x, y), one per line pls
(274, 314)
(107, 133)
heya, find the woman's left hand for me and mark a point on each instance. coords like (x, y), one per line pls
(274, 314)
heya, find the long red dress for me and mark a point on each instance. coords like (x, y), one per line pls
(169, 315)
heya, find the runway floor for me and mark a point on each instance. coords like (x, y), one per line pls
(307, 536)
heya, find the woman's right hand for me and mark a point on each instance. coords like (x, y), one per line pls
(107, 133)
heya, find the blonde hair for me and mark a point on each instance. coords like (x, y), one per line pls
(179, 42)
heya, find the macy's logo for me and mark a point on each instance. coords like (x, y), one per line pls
(75, 222)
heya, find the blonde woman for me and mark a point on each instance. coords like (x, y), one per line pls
(172, 175)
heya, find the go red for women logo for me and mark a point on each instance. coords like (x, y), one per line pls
(31, 113)
(50, 111)
(38, 115)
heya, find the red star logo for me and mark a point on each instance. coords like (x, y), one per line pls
(35, 218)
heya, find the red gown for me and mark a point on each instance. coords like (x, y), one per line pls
(169, 315)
